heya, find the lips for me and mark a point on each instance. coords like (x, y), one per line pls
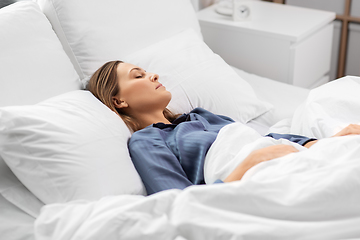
(160, 85)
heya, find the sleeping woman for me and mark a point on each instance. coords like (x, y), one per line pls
(169, 150)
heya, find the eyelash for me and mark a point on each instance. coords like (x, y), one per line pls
(140, 76)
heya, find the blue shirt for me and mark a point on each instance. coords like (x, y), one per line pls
(170, 156)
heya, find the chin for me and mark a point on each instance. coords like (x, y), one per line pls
(169, 95)
(168, 98)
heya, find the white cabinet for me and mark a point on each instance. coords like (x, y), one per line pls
(278, 42)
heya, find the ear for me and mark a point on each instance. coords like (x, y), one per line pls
(118, 103)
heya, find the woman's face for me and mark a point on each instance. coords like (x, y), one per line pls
(140, 90)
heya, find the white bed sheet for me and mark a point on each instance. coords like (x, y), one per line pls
(299, 196)
(15, 224)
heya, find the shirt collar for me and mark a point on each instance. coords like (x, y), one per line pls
(172, 125)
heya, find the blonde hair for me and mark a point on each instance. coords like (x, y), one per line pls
(104, 85)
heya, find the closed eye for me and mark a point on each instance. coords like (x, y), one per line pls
(138, 72)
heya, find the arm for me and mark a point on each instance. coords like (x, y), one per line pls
(302, 140)
(352, 129)
(157, 166)
(269, 153)
(258, 156)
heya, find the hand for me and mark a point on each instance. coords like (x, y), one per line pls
(309, 144)
(352, 129)
(258, 156)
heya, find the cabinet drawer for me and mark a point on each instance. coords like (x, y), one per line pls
(311, 57)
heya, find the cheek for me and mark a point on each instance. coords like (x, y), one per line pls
(143, 96)
(137, 91)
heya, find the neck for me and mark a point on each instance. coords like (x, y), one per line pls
(146, 119)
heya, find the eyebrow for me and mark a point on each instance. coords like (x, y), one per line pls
(139, 69)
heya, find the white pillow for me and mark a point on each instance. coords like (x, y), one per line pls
(33, 67)
(68, 147)
(94, 32)
(33, 64)
(197, 77)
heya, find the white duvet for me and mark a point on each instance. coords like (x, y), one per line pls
(311, 194)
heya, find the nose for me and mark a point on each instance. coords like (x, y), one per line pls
(154, 77)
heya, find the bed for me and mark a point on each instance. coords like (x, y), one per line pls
(65, 172)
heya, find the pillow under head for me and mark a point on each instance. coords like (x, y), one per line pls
(196, 77)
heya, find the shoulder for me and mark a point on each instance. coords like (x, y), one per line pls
(211, 117)
(145, 132)
(148, 140)
(202, 112)
(148, 134)
(199, 110)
